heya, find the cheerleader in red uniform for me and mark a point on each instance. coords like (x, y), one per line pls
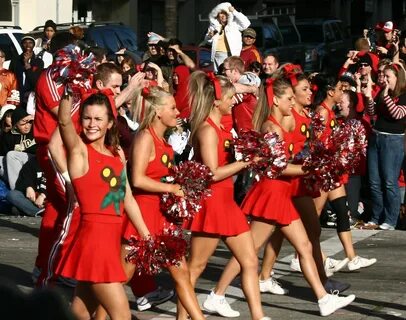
(96, 167)
(299, 125)
(269, 201)
(220, 217)
(329, 93)
(150, 159)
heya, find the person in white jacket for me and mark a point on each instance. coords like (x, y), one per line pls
(224, 32)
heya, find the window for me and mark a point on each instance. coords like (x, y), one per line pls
(311, 33)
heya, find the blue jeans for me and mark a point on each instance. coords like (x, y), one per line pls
(22, 203)
(385, 157)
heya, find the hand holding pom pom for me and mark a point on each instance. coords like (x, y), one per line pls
(265, 152)
(154, 253)
(192, 180)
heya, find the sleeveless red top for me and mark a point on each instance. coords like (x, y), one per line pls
(159, 167)
(301, 133)
(107, 176)
(287, 137)
(224, 155)
(331, 123)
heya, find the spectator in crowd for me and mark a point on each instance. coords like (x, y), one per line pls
(49, 33)
(385, 47)
(244, 107)
(8, 82)
(5, 126)
(153, 54)
(224, 32)
(18, 145)
(27, 68)
(386, 147)
(269, 65)
(181, 76)
(30, 192)
(255, 67)
(174, 57)
(100, 54)
(249, 52)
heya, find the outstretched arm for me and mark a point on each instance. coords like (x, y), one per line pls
(75, 148)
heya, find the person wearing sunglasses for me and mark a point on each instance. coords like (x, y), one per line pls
(249, 52)
(18, 145)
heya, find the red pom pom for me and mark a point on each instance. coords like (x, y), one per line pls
(268, 147)
(194, 179)
(151, 255)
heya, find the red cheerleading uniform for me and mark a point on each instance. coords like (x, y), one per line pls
(300, 135)
(271, 199)
(94, 255)
(149, 202)
(330, 125)
(220, 215)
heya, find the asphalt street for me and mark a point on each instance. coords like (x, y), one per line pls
(380, 289)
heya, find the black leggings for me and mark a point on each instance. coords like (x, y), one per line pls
(340, 207)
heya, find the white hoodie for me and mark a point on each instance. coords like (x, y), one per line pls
(236, 23)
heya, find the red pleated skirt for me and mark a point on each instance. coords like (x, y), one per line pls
(271, 200)
(151, 213)
(220, 215)
(95, 253)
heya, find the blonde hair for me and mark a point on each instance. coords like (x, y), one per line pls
(202, 97)
(263, 109)
(153, 97)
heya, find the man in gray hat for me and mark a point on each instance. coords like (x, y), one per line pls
(249, 52)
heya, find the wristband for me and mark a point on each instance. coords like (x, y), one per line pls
(65, 176)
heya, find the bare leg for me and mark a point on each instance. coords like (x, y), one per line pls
(272, 249)
(311, 222)
(201, 249)
(295, 233)
(260, 232)
(243, 250)
(84, 302)
(114, 300)
(129, 269)
(185, 290)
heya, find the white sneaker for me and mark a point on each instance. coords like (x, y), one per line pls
(331, 265)
(360, 262)
(272, 286)
(332, 302)
(154, 298)
(265, 318)
(219, 304)
(386, 226)
(295, 265)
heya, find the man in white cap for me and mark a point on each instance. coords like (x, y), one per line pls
(387, 49)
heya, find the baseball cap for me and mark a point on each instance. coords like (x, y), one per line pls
(388, 26)
(27, 37)
(153, 39)
(249, 32)
(5, 108)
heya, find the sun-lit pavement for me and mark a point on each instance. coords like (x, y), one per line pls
(380, 289)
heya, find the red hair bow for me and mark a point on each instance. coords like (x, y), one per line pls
(269, 90)
(216, 85)
(86, 93)
(291, 71)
